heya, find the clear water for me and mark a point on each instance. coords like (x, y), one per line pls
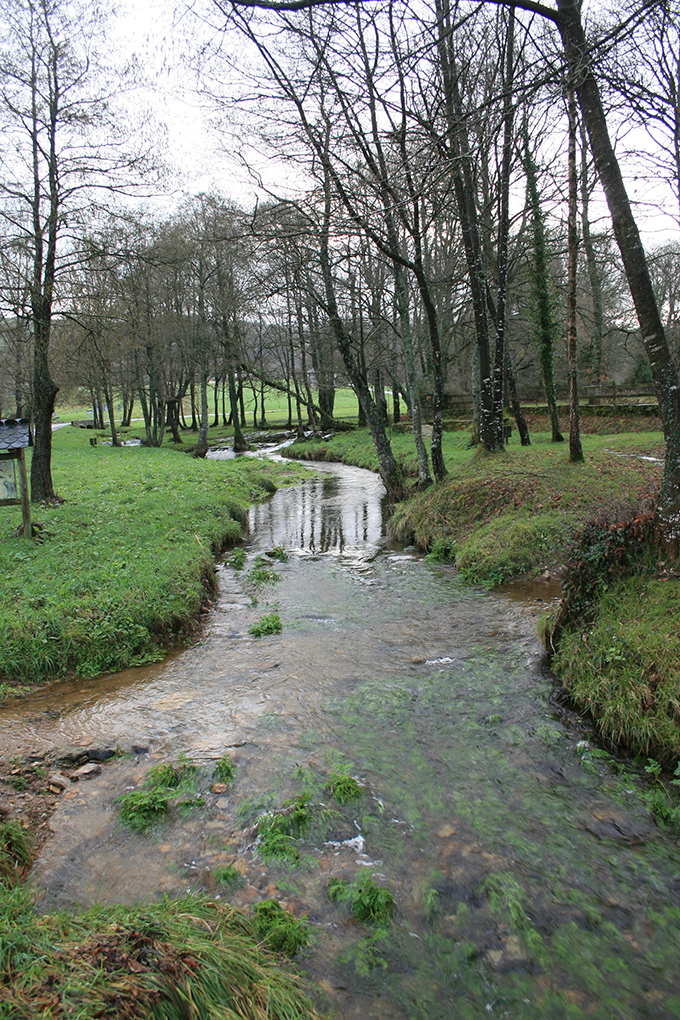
(528, 881)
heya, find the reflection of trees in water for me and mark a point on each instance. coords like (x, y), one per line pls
(321, 515)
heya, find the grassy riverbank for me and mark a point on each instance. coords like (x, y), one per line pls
(124, 565)
(169, 960)
(512, 514)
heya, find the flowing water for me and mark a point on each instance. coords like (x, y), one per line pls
(527, 876)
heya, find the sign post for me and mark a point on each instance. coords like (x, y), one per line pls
(14, 438)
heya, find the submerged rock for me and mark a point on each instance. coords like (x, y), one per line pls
(88, 771)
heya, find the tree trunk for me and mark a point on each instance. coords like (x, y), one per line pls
(627, 236)
(575, 449)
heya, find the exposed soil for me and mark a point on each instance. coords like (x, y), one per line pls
(31, 785)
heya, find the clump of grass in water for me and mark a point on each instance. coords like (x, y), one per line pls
(195, 957)
(140, 809)
(270, 624)
(279, 553)
(279, 929)
(224, 769)
(278, 830)
(262, 573)
(343, 788)
(505, 894)
(368, 902)
(228, 876)
(238, 559)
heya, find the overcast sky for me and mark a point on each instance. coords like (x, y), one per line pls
(203, 158)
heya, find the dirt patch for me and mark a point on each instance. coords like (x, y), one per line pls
(31, 786)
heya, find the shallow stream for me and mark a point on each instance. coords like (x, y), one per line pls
(528, 878)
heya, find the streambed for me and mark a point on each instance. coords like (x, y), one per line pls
(528, 878)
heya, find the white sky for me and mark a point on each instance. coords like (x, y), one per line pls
(203, 158)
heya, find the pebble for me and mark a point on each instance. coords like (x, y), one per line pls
(223, 803)
(219, 788)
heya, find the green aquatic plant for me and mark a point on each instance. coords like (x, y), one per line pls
(140, 809)
(278, 830)
(343, 788)
(224, 769)
(228, 876)
(661, 800)
(368, 902)
(507, 897)
(279, 553)
(262, 573)
(238, 559)
(279, 929)
(266, 625)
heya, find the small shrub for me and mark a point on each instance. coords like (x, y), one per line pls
(266, 625)
(278, 929)
(368, 902)
(140, 809)
(228, 876)
(224, 769)
(277, 831)
(343, 788)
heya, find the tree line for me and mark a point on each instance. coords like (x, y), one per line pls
(446, 161)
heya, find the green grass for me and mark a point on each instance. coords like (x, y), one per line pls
(511, 514)
(278, 929)
(368, 903)
(164, 784)
(270, 624)
(125, 563)
(343, 788)
(224, 769)
(623, 665)
(228, 876)
(168, 961)
(15, 850)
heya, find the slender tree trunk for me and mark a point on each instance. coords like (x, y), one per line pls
(593, 269)
(575, 449)
(664, 371)
(240, 444)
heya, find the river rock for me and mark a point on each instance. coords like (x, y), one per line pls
(88, 771)
(219, 788)
(223, 803)
(67, 757)
(5, 808)
(100, 753)
(139, 749)
(57, 782)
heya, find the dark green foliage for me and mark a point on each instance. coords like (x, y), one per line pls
(602, 553)
(343, 788)
(664, 801)
(368, 902)
(140, 809)
(270, 624)
(278, 929)
(227, 876)
(224, 769)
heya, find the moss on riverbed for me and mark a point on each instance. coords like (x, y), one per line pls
(125, 564)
